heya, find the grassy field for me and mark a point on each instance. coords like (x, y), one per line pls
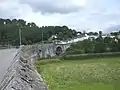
(94, 74)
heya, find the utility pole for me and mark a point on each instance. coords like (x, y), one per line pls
(42, 36)
(20, 36)
(42, 44)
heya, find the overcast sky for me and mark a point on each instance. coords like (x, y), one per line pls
(78, 14)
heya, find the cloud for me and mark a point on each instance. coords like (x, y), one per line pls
(55, 6)
(7, 10)
(79, 14)
(97, 15)
(12, 9)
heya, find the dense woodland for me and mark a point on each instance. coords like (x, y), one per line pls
(98, 45)
(31, 33)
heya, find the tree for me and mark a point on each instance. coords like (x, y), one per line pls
(1, 22)
(8, 21)
(96, 34)
(90, 33)
(100, 33)
(60, 36)
(74, 33)
(14, 21)
(21, 22)
(114, 45)
(87, 45)
(31, 33)
(107, 42)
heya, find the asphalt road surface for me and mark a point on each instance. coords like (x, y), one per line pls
(6, 58)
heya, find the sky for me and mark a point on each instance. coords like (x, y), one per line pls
(90, 15)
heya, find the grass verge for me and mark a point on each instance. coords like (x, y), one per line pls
(94, 74)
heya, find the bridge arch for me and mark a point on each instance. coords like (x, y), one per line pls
(59, 50)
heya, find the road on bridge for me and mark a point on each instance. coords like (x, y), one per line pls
(6, 58)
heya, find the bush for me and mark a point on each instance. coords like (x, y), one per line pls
(99, 45)
(90, 56)
(46, 61)
(75, 51)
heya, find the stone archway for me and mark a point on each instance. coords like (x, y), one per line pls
(59, 50)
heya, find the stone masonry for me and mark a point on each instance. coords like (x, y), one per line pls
(51, 50)
(22, 75)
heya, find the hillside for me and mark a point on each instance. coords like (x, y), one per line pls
(30, 32)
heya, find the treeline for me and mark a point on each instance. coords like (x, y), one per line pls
(31, 33)
(98, 45)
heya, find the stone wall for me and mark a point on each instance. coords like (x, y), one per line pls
(22, 75)
(50, 50)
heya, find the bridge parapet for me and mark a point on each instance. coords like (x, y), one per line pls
(22, 74)
(51, 50)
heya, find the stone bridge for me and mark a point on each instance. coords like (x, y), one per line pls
(56, 49)
(51, 50)
(17, 71)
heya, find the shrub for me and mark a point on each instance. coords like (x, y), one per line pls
(90, 56)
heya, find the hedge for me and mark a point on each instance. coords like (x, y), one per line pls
(90, 56)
